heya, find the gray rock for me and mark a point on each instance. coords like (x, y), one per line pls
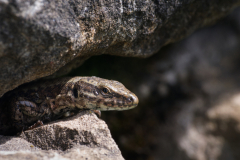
(9, 143)
(39, 37)
(79, 137)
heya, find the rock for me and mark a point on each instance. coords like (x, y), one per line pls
(37, 38)
(84, 129)
(10, 143)
(78, 137)
(80, 153)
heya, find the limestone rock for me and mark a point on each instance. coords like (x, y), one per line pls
(78, 137)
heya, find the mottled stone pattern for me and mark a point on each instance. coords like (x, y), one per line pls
(38, 37)
(77, 138)
(83, 129)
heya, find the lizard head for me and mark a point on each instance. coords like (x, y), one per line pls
(103, 94)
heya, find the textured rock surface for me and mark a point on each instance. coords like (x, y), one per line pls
(81, 153)
(38, 37)
(8, 143)
(79, 137)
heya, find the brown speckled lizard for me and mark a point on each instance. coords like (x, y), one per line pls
(52, 99)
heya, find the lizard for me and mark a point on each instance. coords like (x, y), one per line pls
(48, 100)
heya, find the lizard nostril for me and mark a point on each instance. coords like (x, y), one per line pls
(133, 99)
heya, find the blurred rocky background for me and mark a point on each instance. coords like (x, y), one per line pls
(189, 90)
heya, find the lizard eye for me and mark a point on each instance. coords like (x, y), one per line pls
(105, 90)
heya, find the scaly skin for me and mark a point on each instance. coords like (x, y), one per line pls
(52, 99)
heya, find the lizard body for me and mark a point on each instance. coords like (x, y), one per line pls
(52, 99)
